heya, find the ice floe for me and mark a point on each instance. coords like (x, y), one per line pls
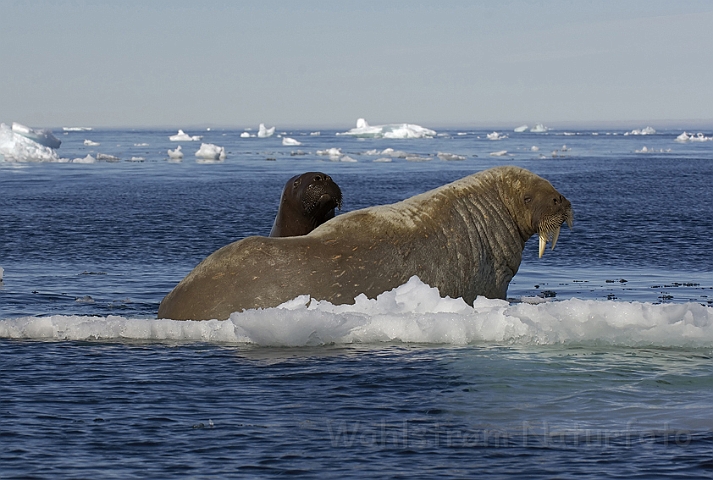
(176, 154)
(77, 129)
(87, 159)
(699, 137)
(15, 147)
(208, 151)
(246, 135)
(90, 143)
(539, 128)
(500, 153)
(287, 141)
(394, 130)
(652, 150)
(496, 136)
(265, 132)
(521, 128)
(108, 158)
(42, 136)
(182, 136)
(643, 131)
(450, 156)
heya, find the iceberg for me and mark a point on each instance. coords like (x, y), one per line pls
(208, 151)
(265, 132)
(521, 129)
(89, 143)
(181, 136)
(449, 157)
(685, 137)
(176, 154)
(394, 130)
(495, 136)
(77, 129)
(500, 153)
(107, 158)
(539, 128)
(287, 141)
(246, 135)
(15, 147)
(87, 159)
(643, 131)
(41, 136)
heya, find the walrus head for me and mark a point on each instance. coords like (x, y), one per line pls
(308, 200)
(319, 194)
(541, 209)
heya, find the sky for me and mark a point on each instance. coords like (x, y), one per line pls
(157, 63)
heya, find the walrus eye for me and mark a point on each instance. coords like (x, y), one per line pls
(317, 178)
(527, 199)
(297, 183)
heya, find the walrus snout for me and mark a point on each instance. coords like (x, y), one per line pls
(551, 222)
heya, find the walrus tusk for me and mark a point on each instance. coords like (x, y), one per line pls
(543, 243)
(555, 236)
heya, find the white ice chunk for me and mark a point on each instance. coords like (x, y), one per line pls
(496, 136)
(87, 159)
(41, 136)
(90, 143)
(246, 135)
(521, 129)
(287, 141)
(450, 157)
(500, 153)
(265, 132)
(643, 131)
(208, 151)
(77, 129)
(534, 148)
(699, 137)
(176, 154)
(539, 128)
(19, 148)
(395, 130)
(182, 136)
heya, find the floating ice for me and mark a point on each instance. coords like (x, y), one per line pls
(500, 153)
(41, 136)
(495, 136)
(2, 272)
(15, 147)
(287, 141)
(383, 160)
(333, 153)
(652, 150)
(450, 156)
(91, 143)
(181, 136)
(176, 154)
(142, 145)
(77, 129)
(413, 312)
(315, 134)
(539, 128)
(87, 159)
(389, 152)
(534, 148)
(395, 130)
(208, 151)
(643, 131)
(521, 129)
(108, 158)
(246, 135)
(699, 137)
(265, 132)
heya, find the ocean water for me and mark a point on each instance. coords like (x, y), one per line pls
(598, 365)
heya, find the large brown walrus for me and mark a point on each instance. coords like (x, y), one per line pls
(465, 238)
(307, 201)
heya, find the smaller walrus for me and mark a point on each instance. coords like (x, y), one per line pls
(307, 201)
(465, 238)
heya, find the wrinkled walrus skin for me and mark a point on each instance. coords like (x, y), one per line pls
(465, 238)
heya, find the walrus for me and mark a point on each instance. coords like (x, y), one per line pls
(307, 201)
(466, 238)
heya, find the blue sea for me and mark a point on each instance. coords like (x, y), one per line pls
(599, 364)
